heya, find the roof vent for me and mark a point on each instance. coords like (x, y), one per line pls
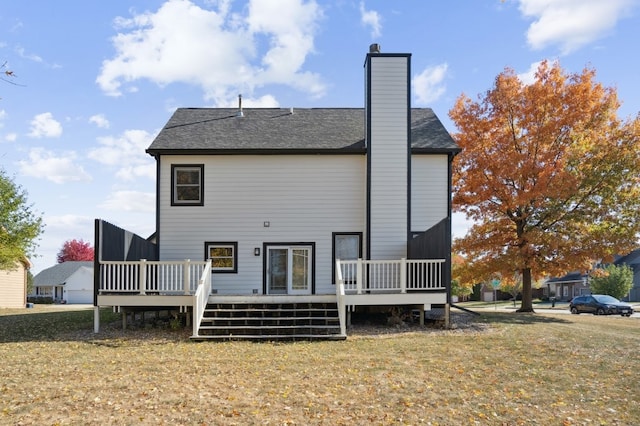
(374, 48)
(240, 113)
(291, 110)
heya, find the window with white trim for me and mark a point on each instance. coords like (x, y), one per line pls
(187, 184)
(224, 256)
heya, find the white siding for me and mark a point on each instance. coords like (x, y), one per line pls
(13, 287)
(79, 287)
(304, 199)
(429, 191)
(388, 145)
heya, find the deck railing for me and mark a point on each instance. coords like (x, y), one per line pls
(143, 276)
(340, 293)
(402, 275)
(201, 297)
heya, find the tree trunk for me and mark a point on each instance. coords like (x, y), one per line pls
(527, 296)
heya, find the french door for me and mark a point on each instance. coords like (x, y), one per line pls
(289, 269)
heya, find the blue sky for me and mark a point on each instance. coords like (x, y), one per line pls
(95, 81)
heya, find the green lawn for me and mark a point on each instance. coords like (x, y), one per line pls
(507, 369)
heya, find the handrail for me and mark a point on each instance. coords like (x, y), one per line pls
(201, 297)
(340, 299)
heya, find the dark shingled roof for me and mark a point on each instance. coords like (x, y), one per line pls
(630, 259)
(277, 130)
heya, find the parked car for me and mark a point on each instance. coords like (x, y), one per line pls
(599, 304)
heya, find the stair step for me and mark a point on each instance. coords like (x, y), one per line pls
(213, 318)
(270, 321)
(267, 327)
(270, 337)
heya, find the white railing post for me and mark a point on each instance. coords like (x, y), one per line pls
(142, 276)
(186, 276)
(359, 277)
(340, 298)
(403, 275)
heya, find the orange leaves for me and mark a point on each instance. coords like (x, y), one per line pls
(547, 171)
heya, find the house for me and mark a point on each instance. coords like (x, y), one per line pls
(346, 207)
(68, 282)
(13, 285)
(568, 286)
(632, 260)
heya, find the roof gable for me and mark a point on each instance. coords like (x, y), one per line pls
(60, 273)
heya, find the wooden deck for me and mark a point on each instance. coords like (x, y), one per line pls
(186, 286)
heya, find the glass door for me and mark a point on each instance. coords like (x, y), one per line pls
(289, 270)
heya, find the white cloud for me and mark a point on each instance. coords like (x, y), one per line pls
(45, 126)
(130, 201)
(529, 76)
(127, 154)
(571, 24)
(99, 120)
(11, 137)
(3, 115)
(43, 164)
(215, 49)
(428, 86)
(371, 18)
(30, 56)
(68, 222)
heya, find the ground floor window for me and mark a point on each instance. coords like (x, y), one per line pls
(223, 255)
(346, 246)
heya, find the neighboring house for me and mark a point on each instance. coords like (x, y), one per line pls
(285, 201)
(13, 285)
(632, 260)
(67, 282)
(569, 286)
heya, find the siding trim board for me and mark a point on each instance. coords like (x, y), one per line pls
(409, 195)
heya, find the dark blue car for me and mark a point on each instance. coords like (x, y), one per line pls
(599, 304)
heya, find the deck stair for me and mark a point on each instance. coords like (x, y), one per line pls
(270, 321)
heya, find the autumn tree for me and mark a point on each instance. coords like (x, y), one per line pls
(460, 285)
(20, 226)
(549, 175)
(75, 250)
(614, 280)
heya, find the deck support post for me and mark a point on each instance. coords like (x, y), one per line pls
(447, 313)
(421, 310)
(96, 319)
(124, 318)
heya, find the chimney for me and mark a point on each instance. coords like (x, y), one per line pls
(387, 138)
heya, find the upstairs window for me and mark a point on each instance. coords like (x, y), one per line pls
(187, 185)
(224, 256)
